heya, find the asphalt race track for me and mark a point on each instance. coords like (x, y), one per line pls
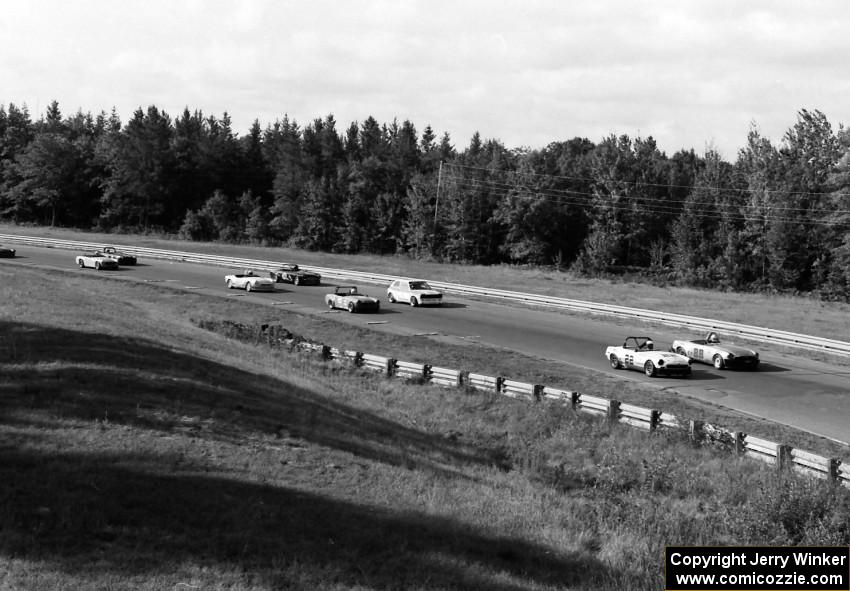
(810, 395)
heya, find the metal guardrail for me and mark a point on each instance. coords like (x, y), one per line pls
(757, 333)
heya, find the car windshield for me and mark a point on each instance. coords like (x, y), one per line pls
(419, 285)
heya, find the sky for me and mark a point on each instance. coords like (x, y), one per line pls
(692, 74)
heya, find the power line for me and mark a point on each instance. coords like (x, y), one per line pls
(639, 183)
(730, 212)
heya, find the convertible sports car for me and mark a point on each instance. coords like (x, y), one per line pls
(7, 252)
(639, 353)
(348, 298)
(291, 273)
(720, 355)
(121, 257)
(96, 260)
(249, 281)
(414, 293)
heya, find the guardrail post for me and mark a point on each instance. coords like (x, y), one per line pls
(390, 367)
(358, 359)
(695, 432)
(613, 411)
(537, 394)
(499, 383)
(783, 456)
(654, 419)
(426, 372)
(462, 378)
(738, 442)
(832, 469)
(575, 398)
(326, 352)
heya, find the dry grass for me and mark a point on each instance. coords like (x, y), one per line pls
(138, 451)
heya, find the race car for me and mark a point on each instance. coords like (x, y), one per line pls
(720, 355)
(349, 298)
(121, 257)
(96, 260)
(7, 252)
(292, 273)
(249, 281)
(639, 353)
(414, 292)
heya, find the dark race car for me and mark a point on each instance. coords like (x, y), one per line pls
(291, 273)
(122, 257)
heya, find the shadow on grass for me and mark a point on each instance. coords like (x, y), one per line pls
(98, 517)
(134, 381)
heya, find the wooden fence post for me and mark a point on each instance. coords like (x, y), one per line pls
(575, 397)
(390, 367)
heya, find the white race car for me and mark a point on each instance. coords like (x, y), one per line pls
(720, 355)
(249, 281)
(96, 260)
(413, 292)
(639, 353)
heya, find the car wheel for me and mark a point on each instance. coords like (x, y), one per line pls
(615, 363)
(330, 305)
(649, 369)
(391, 297)
(680, 351)
(229, 284)
(97, 266)
(351, 307)
(248, 286)
(413, 301)
(297, 281)
(718, 362)
(81, 264)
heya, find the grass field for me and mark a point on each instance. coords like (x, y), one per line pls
(139, 451)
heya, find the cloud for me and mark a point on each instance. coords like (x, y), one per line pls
(526, 73)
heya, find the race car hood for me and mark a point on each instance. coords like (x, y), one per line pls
(671, 357)
(736, 350)
(361, 298)
(432, 292)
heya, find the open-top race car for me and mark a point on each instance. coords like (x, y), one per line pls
(349, 298)
(292, 273)
(7, 252)
(249, 281)
(96, 260)
(639, 353)
(720, 355)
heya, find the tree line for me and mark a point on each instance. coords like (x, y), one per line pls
(777, 218)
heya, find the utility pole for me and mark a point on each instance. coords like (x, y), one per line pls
(437, 201)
